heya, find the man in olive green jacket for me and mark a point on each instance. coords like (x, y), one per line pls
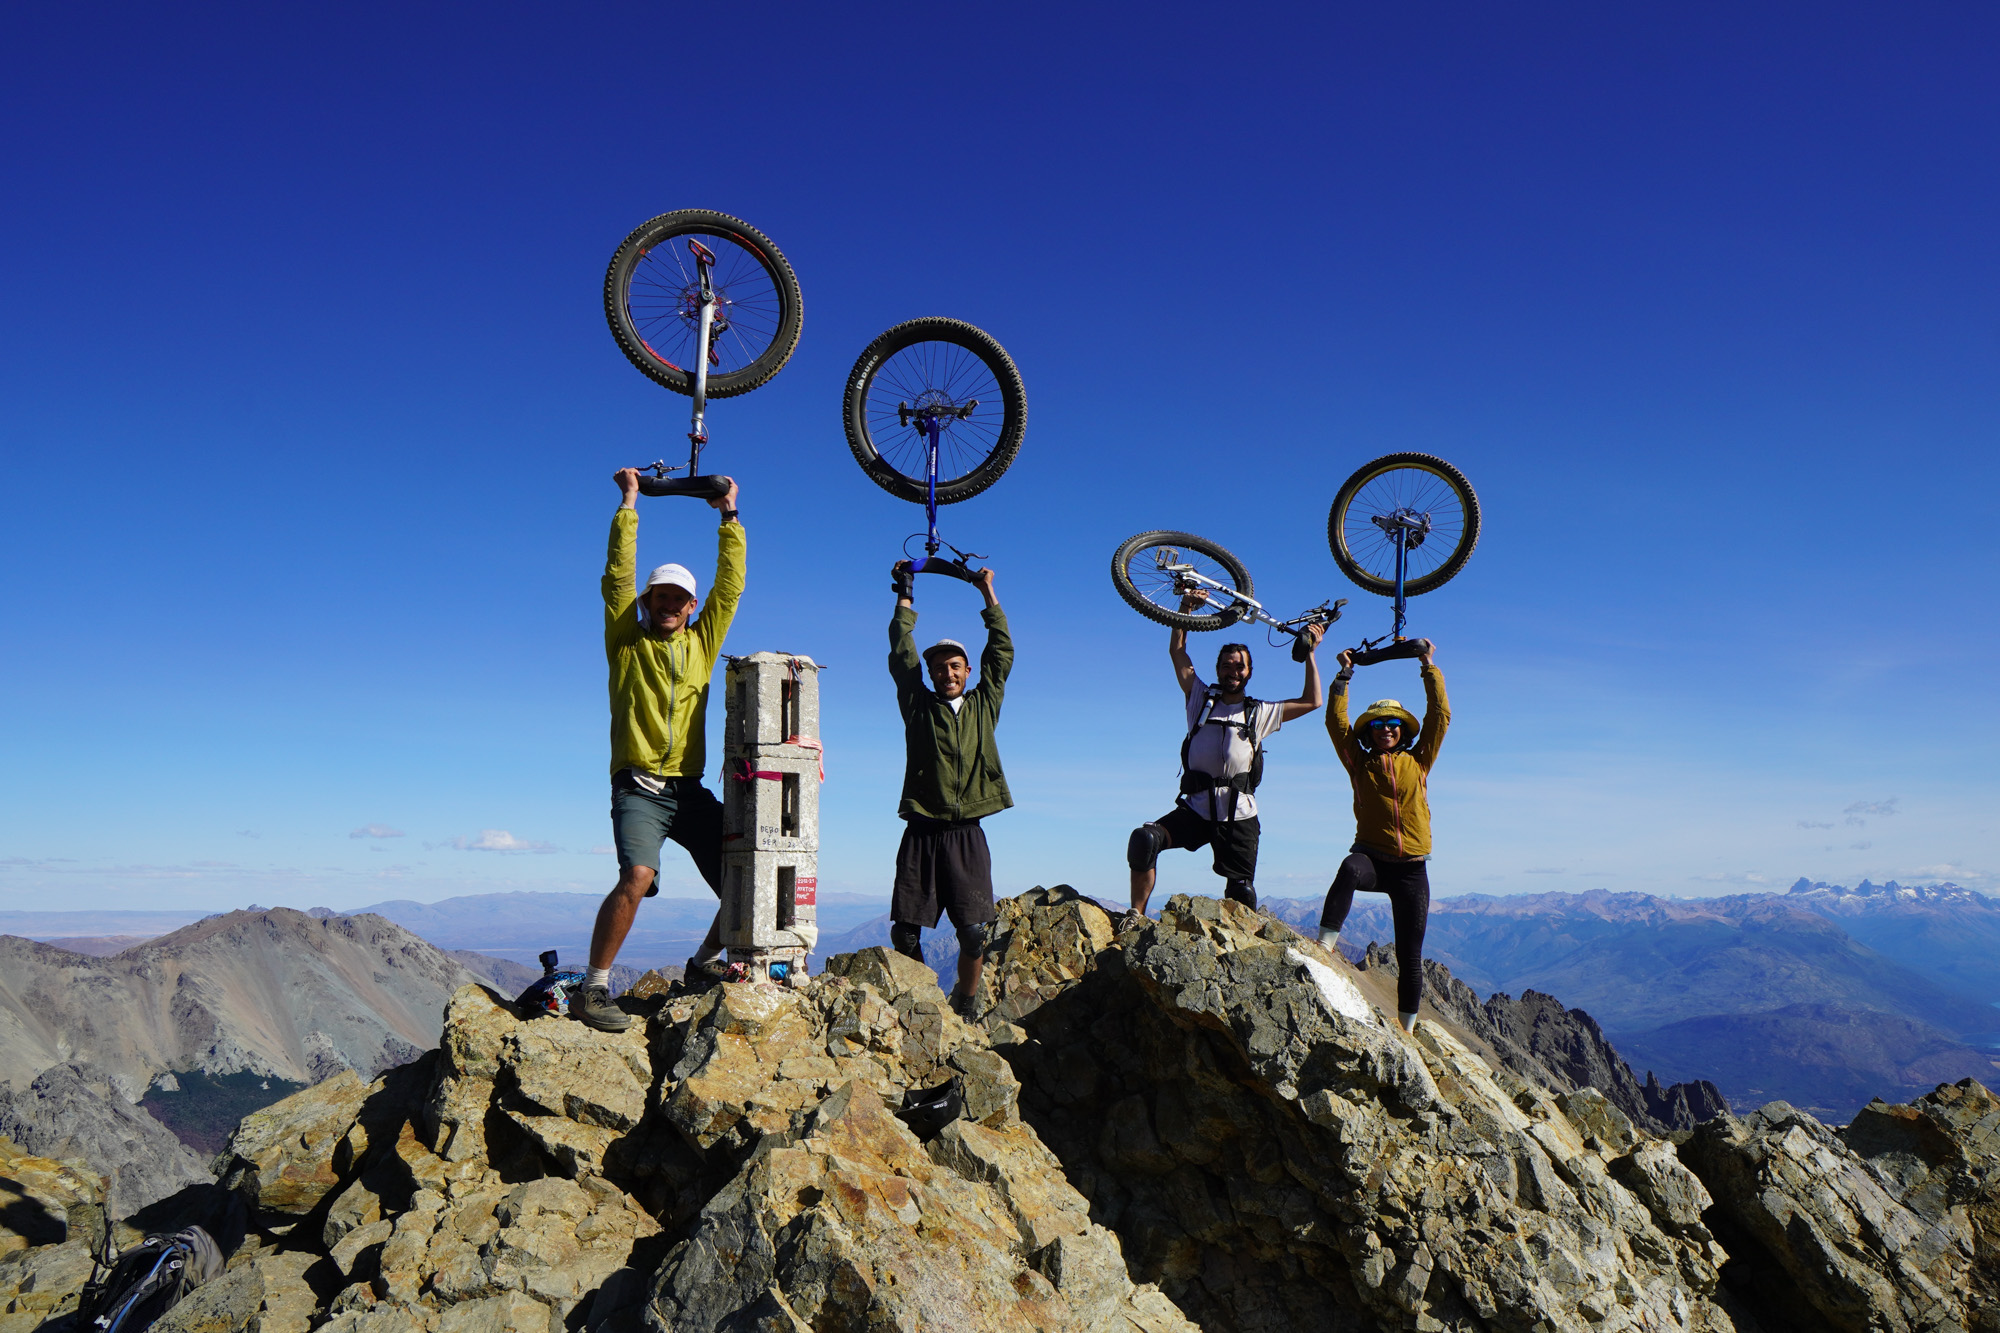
(661, 658)
(951, 780)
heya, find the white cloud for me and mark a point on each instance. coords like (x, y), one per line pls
(376, 831)
(1887, 807)
(1546, 870)
(500, 840)
(604, 849)
(1733, 877)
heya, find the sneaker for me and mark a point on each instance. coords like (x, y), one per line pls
(965, 1006)
(1130, 919)
(594, 1008)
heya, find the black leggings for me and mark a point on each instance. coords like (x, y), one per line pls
(1408, 884)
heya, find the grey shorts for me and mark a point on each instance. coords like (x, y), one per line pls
(686, 812)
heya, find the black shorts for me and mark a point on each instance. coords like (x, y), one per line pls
(943, 867)
(1235, 840)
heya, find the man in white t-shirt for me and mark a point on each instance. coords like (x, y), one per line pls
(1221, 763)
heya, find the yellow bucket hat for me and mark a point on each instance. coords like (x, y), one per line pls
(1385, 710)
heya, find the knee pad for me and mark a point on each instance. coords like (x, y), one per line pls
(905, 938)
(1243, 891)
(1148, 841)
(972, 940)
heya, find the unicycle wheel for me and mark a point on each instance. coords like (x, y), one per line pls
(948, 367)
(1416, 483)
(652, 300)
(1149, 571)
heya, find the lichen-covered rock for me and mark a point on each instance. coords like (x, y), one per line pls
(282, 1158)
(1940, 1155)
(267, 1295)
(1275, 1156)
(1872, 1230)
(851, 1224)
(533, 1173)
(44, 1201)
(38, 1283)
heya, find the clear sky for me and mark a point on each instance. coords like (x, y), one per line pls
(308, 413)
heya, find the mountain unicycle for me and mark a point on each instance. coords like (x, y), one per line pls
(706, 305)
(1191, 583)
(934, 411)
(1402, 525)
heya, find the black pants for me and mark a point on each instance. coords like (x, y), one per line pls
(1408, 884)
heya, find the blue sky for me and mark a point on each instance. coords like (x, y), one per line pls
(308, 411)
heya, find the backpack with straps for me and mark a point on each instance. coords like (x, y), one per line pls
(1194, 780)
(147, 1280)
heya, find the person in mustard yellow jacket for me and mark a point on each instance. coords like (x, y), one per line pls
(661, 655)
(1388, 757)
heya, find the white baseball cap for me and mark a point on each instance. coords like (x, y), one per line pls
(674, 575)
(949, 647)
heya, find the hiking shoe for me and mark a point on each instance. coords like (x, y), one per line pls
(965, 1006)
(697, 976)
(1130, 919)
(594, 1008)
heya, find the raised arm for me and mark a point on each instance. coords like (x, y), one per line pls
(997, 658)
(731, 544)
(904, 668)
(621, 561)
(1337, 728)
(1437, 715)
(1309, 697)
(1177, 644)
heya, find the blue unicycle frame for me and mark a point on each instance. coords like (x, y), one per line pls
(931, 420)
(1406, 530)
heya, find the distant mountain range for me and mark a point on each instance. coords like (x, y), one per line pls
(513, 926)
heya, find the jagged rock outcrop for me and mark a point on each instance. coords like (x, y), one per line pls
(1277, 1156)
(1892, 1224)
(729, 1162)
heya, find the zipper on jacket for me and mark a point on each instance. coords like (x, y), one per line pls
(1395, 797)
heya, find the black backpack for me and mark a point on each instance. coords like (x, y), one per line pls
(1194, 780)
(146, 1281)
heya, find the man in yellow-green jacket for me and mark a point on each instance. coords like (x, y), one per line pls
(661, 655)
(1388, 758)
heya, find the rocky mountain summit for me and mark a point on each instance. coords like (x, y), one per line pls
(1202, 1123)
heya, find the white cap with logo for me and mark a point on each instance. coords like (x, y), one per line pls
(674, 575)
